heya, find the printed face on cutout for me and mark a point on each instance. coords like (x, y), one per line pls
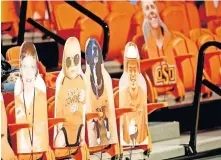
(72, 62)
(28, 68)
(96, 71)
(151, 14)
(132, 72)
(94, 60)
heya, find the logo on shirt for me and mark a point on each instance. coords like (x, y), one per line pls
(165, 74)
(72, 96)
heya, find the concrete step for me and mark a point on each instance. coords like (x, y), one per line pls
(211, 158)
(207, 140)
(161, 131)
(188, 99)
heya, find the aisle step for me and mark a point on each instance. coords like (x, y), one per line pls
(207, 140)
(161, 131)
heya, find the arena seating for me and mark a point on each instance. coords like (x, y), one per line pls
(125, 21)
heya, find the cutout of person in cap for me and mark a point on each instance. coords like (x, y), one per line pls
(100, 97)
(31, 104)
(70, 101)
(133, 93)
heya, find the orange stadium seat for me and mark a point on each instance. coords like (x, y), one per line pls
(172, 16)
(202, 14)
(121, 7)
(213, 24)
(174, 3)
(38, 11)
(192, 15)
(185, 52)
(13, 56)
(98, 8)
(64, 24)
(13, 53)
(9, 18)
(160, 6)
(152, 94)
(138, 39)
(9, 110)
(196, 33)
(127, 8)
(138, 6)
(62, 20)
(8, 97)
(180, 45)
(213, 15)
(218, 31)
(186, 11)
(136, 24)
(119, 25)
(95, 30)
(212, 56)
(50, 103)
(50, 93)
(151, 52)
(52, 5)
(115, 82)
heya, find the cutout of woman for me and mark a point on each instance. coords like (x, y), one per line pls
(6, 150)
(31, 105)
(101, 130)
(133, 93)
(70, 101)
(158, 38)
(154, 30)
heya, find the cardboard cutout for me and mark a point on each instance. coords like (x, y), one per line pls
(70, 98)
(31, 104)
(133, 93)
(102, 130)
(163, 73)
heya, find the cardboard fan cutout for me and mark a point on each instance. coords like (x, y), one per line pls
(31, 104)
(102, 130)
(162, 72)
(133, 93)
(70, 99)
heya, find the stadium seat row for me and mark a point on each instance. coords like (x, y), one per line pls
(126, 24)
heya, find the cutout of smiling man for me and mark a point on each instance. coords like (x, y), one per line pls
(133, 93)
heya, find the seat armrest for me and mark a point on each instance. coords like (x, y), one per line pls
(154, 106)
(146, 64)
(120, 111)
(15, 127)
(54, 121)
